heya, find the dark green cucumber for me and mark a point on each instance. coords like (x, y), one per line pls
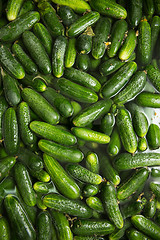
(24, 184)
(6, 164)
(111, 205)
(94, 64)
(153, 136)
(144, 43)
(92, 162)
(67, 15)
(118, 80)
(3, 153)
(95, 204)
(92, 113)
(142, 144)
(76, 108)
(68, 206)
(126, 161)
(44, 36)
(34, 82)
(44, 188)
(3, 21)
(155, 28)
(82, 23)
(114, 146)
(60, 152)
(130, 186)
(134, 234)
(49, 17)
(132, 208)
(58, 53)
(53, 133)
(155, 172)
(39, 202)
(101, 32)
(82, 62)
(29, 66)
(119, 233)
(83, 174)
(154, 76)
(10, 131)
(61, 225)
(9, 62)
(157, 6)
(155, 188)
(128, 138)
(92, 227)
(40, 106)
(70, 55)
(24, 120)
(149, 8)
(63, 182)
(107, 123)
(13, 8)
(117, 35)
(76, 92)
(109, 8)
(128, 46)
(37, 52)
(5, 232)
(27, 6)
(40, 175)
(19, 220)
(135, 86)
(150, 207)
(134, 12)
(44, 225)
(140, 123)
(148, 99)
(13, 30)
(90, 190)
(147, 226)
(56, 99)
(84, 43)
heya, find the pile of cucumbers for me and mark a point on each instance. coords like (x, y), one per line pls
(79, 157)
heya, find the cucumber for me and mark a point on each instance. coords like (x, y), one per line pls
(140, 123)
(75, 91)
(94, 64)
(109, 8)
(53, 133)
(144, 43)
(87, 238)
(142, 144)
(40, 175)
(92, 227)
(155, 28)
(13, 30)
(6, 164)
(44, 225)
(155, 172)
(153, 136)
(95, 204)
(9, 62)
(157, 6)
(24, 184)
(92, 162)
(119, 233)
(82, 23)
(117, 35)
(118, 80)
(147, 226)
(70, 54)
(84, 43)
(107, 123)
(10, 131)
(67, 15)
(37, 52)
(58, 53)
(18, 218)
(24, 119)
(44, 188)
(83, 174)
(134, 12)
(82, 78)
(132, 208)
(150, 207)
(34, 82)
(29, 66)
(63, 182)
(114, 146)
(126, 161)
(154, 76)
(111, 205)
(92, 113)
(40, 106)
(3, 153)
(27, 6)
(4, 229)
(39, 202)
(101, 32)
(134, 234)
(148, 99)
(82, 62)
(128, 138)
(68, 206)
(76, 108)
(13, 8)
(90, 190)
(44, 36)
(60, 152)
(155, 187)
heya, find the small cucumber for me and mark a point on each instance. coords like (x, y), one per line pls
(68, 206)
(150, 207)
(34, 82)
(40, 175)
(134, 12)
(27, 6)
(154, 76)
(82, 62)
(13, 8)
(70, 54)
(155, 29)
(155, 172)
(40, 106)
(114, 146)
(90, 190)
(107, 123)
(134, 234)
(95, 204)
(6, 164)
(44, 225)
(140, 123)
(5, 232)
(84, 43)
(148, 99)
(82, 23)
(92, 162)
(67, 15)
(155, 188)
(44, 188)
(153, 136)
(142, 144)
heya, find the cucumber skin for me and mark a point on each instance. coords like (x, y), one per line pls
(148, 99)
(44, 225)
(154, 76)
(153, 136)
(4, 229)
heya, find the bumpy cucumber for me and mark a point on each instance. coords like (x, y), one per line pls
(6, 164)
(148, 99)
(107, 123)
(119, 233)
(84, 43)
(92, 162)
(140, 123)
(142, 144)
(4, 229)
(82, 62)
(44, 225)
(67, 15)
(155, 28)
(153, 136)
(150, 207)
(132, 208)
(70, 55)
(13, 8)
(114, 145)
(155, 187)
(134, 234)
(154, 76)
(90, 190)
(134, 12)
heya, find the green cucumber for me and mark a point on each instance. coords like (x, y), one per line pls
(148, 99)
(155, 172)
(79, 6)
(40, 175)
(94, 64)
(5, 232)
(44, 188)
(153, 136)
(157, 6)
(155, 188)
(3, 22)
(27, 6)
(82, 62)
(154, 76)
(134, 12)
(63, 182)
(95, 204)
(34, 82)
(142, 144)
(37, 52)
(150, 207)
(67, 15)
(118, 80)
(60, 152)
(44, 225)
(155, 28)
(114, 146)
(24, 184)
(90, 190)
(132, 208)
(82, 23)
(76, 108)
(3, 153)
(39, 202)
(107, 123)
(6, 164)
(24, 120)
(58, 53)
(117, 35)
(87, 238)
(10, 131)
(19, 220)
(68, 206)
(40, 106)
(92, 227)
(70, 55)
(119, 233)
(92, 113)
(101, 32)
(13, 8)
(29, 66)
(134, 234)
(128, 138)
(84, 43)
(92, 162)
(82, 78)
(109, 8)
(140, 123)
(53, 133)
(13, 30)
